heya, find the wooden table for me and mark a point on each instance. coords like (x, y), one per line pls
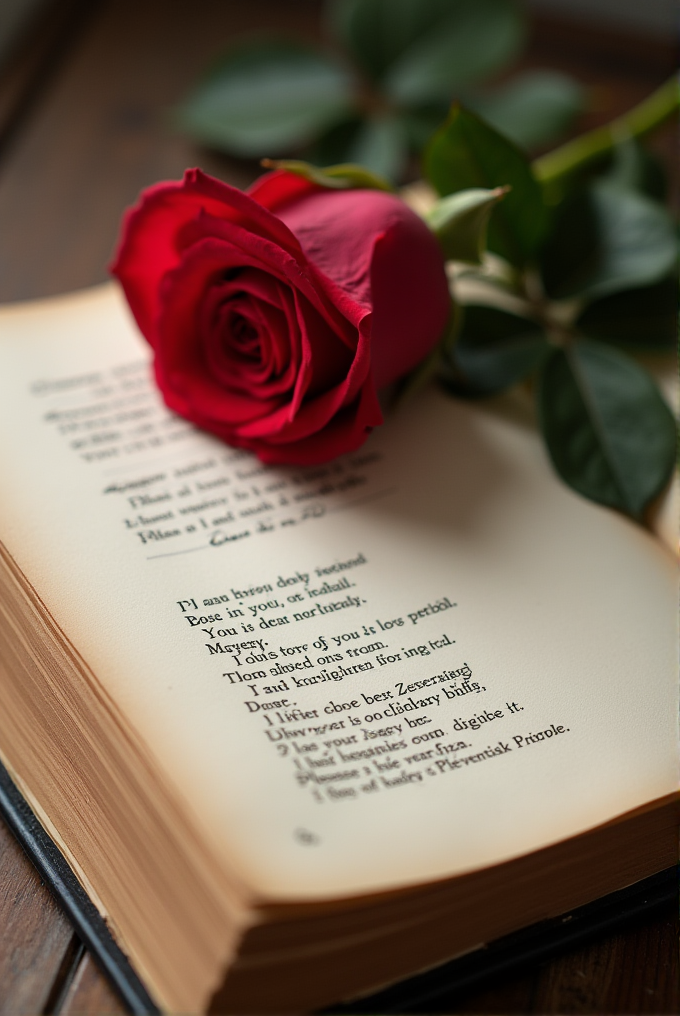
(82, 129)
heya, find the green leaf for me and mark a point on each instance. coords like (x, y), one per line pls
(606, 239)
(495, 350)
(422, 121)
(476, 39)
(267, 97)
(377, 32)
(460, 222)
(467, 153)
(534, 108)
(381, 144)
(332, 146)
(609, 433)
(642, 319)
(634, 168)
(344, 176)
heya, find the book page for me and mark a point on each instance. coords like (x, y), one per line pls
(421, 659)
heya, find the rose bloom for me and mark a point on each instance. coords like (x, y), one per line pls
(276, 316)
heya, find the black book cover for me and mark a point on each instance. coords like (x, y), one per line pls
(416, 994)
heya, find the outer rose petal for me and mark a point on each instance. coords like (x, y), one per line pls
(357, 282)
(149, 246)
(376, 249)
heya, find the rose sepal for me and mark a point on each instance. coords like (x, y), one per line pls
(343, 176)
(460, 222)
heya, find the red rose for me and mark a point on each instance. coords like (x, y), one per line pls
(276, 315)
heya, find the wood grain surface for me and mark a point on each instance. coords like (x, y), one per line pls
(83, 127)
(88, 992)
(36, 941)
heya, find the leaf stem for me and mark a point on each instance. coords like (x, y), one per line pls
(649, 114)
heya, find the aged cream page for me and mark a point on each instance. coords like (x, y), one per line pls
(422, 659)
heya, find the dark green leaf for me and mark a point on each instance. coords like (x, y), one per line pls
(344, 176)
(643, 319)
(422, 121)
(267, 97)
(534, 108)
(333, 145)
(606, 239)
(459, 221)
(381, 144)
(637, 169)
(609, 433)
(477, 38)
(495, 350)
(378, 32)
(467, 153)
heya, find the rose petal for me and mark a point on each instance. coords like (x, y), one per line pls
(273, 190)
(316, 413)
(148, 247)
(348, 429)
(341, 311)
(375, 249)
(324, 357)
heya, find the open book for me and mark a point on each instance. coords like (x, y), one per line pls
(301, 733)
